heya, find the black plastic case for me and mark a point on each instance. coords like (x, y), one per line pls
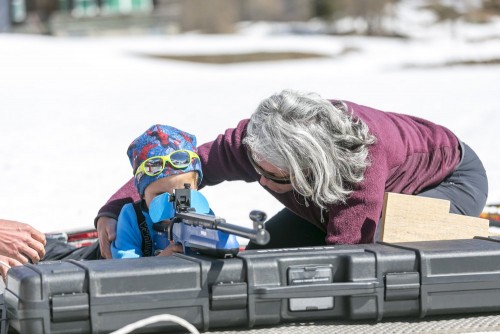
(262, 287)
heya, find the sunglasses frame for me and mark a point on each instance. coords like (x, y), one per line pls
(166, 158)
(263, 173)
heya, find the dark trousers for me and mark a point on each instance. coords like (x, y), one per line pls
(466, 189)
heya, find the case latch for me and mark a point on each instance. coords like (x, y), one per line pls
(310, 275)
(70, 307)
(402, 286)
(228, 296)
(3, 315)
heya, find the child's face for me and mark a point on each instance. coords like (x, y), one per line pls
(168, 184)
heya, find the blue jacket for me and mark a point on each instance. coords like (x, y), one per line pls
(128, 242)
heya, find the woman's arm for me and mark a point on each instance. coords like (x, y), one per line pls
(105, 221)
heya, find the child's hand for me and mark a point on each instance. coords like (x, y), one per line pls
(171, 249)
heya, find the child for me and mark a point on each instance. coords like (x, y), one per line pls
(163, 159)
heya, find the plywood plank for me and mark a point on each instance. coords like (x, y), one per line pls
(415, 218)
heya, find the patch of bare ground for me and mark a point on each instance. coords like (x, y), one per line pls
(238, 58)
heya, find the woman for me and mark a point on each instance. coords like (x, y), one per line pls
(330, 163)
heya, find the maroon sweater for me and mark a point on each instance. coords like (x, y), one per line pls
(410, 155)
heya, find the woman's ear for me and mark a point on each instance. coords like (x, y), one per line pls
(196, 177)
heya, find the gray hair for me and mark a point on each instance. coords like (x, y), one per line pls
(319, 143)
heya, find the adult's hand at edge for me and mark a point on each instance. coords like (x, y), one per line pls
(5, 264)
(106, 231)
(21, 241)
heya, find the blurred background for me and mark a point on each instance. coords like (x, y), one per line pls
(80, 79)
(339, 17)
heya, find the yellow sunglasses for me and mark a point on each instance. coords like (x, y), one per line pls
(177, 159)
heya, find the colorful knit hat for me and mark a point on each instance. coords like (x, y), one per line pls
(161, 140)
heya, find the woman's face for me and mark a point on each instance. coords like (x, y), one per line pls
(276, 172)
(168, 184)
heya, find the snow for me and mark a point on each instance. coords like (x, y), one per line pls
(69, 107)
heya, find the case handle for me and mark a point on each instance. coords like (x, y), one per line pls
(316, 290)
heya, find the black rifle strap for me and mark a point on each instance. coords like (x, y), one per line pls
(147, 244)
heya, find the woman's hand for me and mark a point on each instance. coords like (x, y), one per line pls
(106, 231)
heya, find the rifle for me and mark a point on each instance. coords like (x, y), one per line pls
(185, 218)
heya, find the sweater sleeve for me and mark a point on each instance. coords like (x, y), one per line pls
(126, 194)
(128, 242)
(225, 158)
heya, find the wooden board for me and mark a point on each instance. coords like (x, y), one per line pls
(415, 218)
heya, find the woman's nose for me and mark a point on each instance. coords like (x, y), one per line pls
(263, 181)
